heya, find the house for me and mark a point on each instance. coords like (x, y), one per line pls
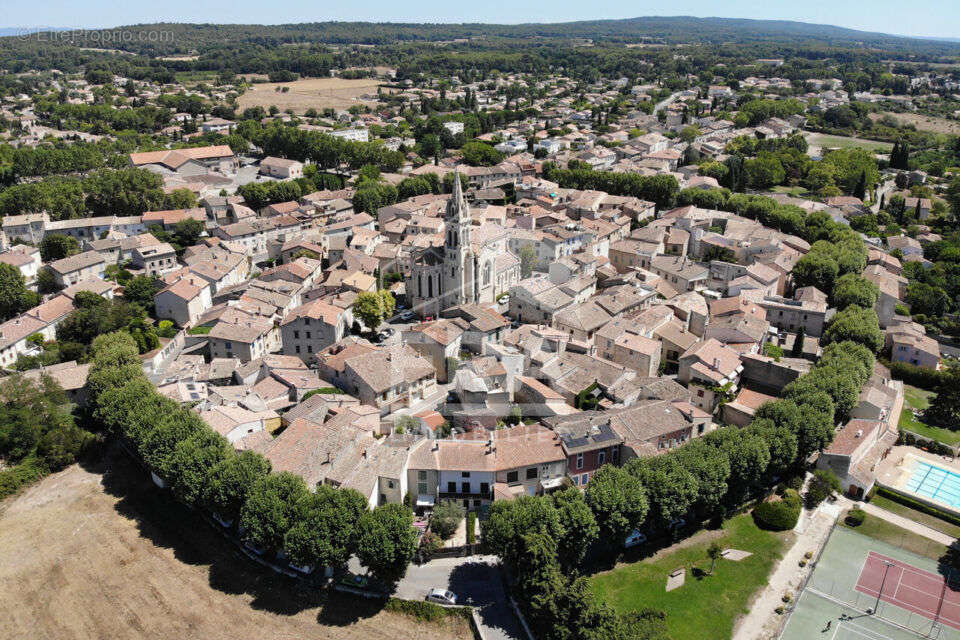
(792, 315)
(712, 370)
(389, 378)
(439, 342)
(854, 453)
(73, 269)
(247, 340)
(155, 259)
(281, 168)
(184, 301)
(495, 465)
(312, 327)
(680, 273)
(909, 343)
(588, 446)
(581, 321)
(24, 259)
(194, 161)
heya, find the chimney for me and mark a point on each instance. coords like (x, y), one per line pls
(859, 433)
(716, 363)
(364, 453)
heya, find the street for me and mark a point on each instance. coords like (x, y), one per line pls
(476, 581)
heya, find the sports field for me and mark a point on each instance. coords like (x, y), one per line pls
(864, 589)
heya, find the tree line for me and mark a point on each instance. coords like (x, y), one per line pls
(543, 540)
(276, 512)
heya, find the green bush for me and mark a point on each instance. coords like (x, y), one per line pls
(25, 473)
(781, 515)
(922, 377)
(472, 527)
(855, 517)
(445, 519)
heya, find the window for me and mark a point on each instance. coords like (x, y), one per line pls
(584, 478)
(531, 473)
(579, 461)
(421, 475)
(451, 487)
(576, 480)
(699, 393)
(513, 476)
(306, 321)
(601, 457)
(308, 335)
(464, 474)
(422, 488)
(484, 488)
(228, 344)
(615, 454)
(390, 484)
(309, 348)
(465, 487)
(298, 348)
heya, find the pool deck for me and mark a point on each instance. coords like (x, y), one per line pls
(895, 470)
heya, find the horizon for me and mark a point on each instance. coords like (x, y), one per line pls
(940, 19)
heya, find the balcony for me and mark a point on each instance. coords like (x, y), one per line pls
(466, 496)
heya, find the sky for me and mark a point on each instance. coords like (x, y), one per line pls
(932, 18)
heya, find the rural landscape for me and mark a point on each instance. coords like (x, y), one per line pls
(602, 329)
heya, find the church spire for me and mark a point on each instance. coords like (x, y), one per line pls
(457, 208)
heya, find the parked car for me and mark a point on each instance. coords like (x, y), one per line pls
(388, 331)
(406, 316)
(441, 596)
(636, 537)
(678, 523)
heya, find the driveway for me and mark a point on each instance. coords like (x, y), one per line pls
(476, 581)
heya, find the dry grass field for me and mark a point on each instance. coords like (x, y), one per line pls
(101, 554)
(922, 122)
(318, 93)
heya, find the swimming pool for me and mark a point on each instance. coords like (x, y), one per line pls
(935, 483)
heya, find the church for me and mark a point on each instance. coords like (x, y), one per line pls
(473, 267)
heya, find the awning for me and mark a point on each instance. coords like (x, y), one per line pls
(425, 501)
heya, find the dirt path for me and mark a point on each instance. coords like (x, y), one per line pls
(91, 555)
(763, 622)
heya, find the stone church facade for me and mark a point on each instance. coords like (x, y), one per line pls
(474, 265)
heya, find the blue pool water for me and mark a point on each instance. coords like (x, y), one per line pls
(935, 483)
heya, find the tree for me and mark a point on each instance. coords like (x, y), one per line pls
(271, 508)
(618, 501)
(373, 307)
(579, 526)
(796, 351)
(191, 461)
(386, 541)
(480, 154)
(528, 260)
(325, 532)
(141, 289)
(671, 488)
(56, 246)
(711, 467)
(714, 552)
(445, 518)
(852, 289)
(230, 481)
(508, 521)
(944, 408)
(15, 298)
(856, 324)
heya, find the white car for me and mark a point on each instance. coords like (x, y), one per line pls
(406, 316)
(442, 596)
(635, 538)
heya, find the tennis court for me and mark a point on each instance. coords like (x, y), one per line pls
(928, 594)
(915, 599)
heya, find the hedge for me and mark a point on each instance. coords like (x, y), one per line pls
(919, 506)
(426, 611)
(471, 527)
(781, 515)
(921, 377)
(856, 516)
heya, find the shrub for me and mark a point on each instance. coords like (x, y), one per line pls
(779, 611)
(780, 515)
(855, 517)
(445, 518)
(426, 611)
(822, 485)
(471, 527)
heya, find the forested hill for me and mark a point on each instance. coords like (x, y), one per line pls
(190, 38)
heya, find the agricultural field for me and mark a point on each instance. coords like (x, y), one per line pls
(101, 553)
(922, 122)
(318, 93)
(822, 141)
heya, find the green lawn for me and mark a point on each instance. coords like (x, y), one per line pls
(935, 523)
(704, 608)
(920, 399)
(880, 529)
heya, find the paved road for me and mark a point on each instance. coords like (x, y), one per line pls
(476, 581)
(665, 102)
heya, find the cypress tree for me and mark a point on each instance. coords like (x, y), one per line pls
(860, 191)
